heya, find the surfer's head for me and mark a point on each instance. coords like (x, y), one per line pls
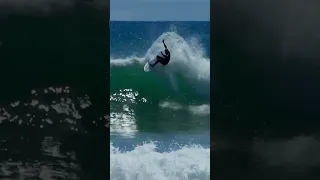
(166, 51)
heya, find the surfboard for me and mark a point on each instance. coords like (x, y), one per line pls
(147, 67)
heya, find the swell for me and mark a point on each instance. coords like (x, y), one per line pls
(150, 85)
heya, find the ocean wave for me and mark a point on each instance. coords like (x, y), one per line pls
(144, 162)
(178, 92)
(188, 65)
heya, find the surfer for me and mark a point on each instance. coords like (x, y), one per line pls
(166, 57)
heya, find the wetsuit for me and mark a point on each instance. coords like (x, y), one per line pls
(166, 57)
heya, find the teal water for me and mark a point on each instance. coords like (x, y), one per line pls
(160, 120)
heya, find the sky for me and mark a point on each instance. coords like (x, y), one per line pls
(160, 10)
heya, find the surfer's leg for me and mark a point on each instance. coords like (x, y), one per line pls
(158, 60)
(154, 63)
(161, 60)
(164, 62)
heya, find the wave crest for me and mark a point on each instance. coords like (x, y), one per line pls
(188, 61)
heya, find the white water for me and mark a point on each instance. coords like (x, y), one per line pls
(200, 110)
(187, 59)
(146, 163)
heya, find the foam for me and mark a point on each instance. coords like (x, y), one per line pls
(125, 61)
(199, 110)
(170, 105)
(144, 162)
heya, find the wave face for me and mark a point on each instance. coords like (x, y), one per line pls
(160, 120)
(183, 84)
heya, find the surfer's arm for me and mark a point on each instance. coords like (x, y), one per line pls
(164, 44)
(165, 55)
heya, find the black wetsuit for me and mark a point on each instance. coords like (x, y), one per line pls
(163, 60)
(166, 57)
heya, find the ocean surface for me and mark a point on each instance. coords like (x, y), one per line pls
(54, 94)
(160, 120)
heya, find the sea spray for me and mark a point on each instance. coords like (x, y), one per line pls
(188, 62)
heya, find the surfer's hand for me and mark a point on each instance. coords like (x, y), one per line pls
(163, 40)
